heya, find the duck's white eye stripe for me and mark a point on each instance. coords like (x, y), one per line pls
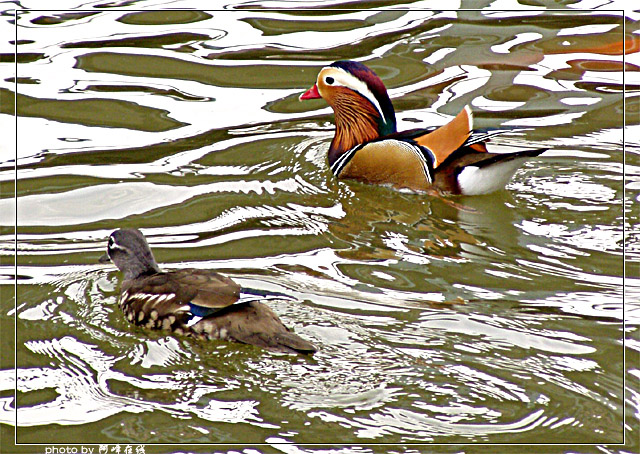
(344, 79)
(114, 245)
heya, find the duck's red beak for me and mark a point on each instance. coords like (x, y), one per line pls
(311, 93)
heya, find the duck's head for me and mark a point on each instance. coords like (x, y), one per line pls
(129, 251)
(359, 100)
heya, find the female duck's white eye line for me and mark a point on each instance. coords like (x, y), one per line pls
(113, 246)
(329, 80)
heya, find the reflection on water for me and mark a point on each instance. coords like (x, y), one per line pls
(494, 319)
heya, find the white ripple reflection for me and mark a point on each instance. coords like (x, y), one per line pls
(391, 421)
(118, 201)
(485, 327)
(83, 382)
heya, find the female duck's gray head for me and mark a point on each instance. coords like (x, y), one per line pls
(129, 251)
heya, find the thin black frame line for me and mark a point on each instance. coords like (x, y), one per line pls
(624, 218)
(15, 230)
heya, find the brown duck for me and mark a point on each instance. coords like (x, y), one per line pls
(452, 159)
(198, 303)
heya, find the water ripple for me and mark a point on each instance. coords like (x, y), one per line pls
(84, 381)
(438, 320)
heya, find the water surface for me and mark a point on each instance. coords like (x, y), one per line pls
(488, 320)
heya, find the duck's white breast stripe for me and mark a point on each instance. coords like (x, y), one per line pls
(426, 168)
(342, 161)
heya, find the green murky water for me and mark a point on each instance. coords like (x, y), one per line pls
(499, 324)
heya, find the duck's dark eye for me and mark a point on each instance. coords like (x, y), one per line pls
(110, 245)
(329, 80)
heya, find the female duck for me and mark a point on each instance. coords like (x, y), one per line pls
(367, 147)
(198, 303)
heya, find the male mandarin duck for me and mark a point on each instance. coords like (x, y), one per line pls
(198, 303)
(452, 159)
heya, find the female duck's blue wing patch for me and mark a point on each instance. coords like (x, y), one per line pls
(198, 312)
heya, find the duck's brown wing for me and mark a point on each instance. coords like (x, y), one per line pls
(176, 294)
(205, 288)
